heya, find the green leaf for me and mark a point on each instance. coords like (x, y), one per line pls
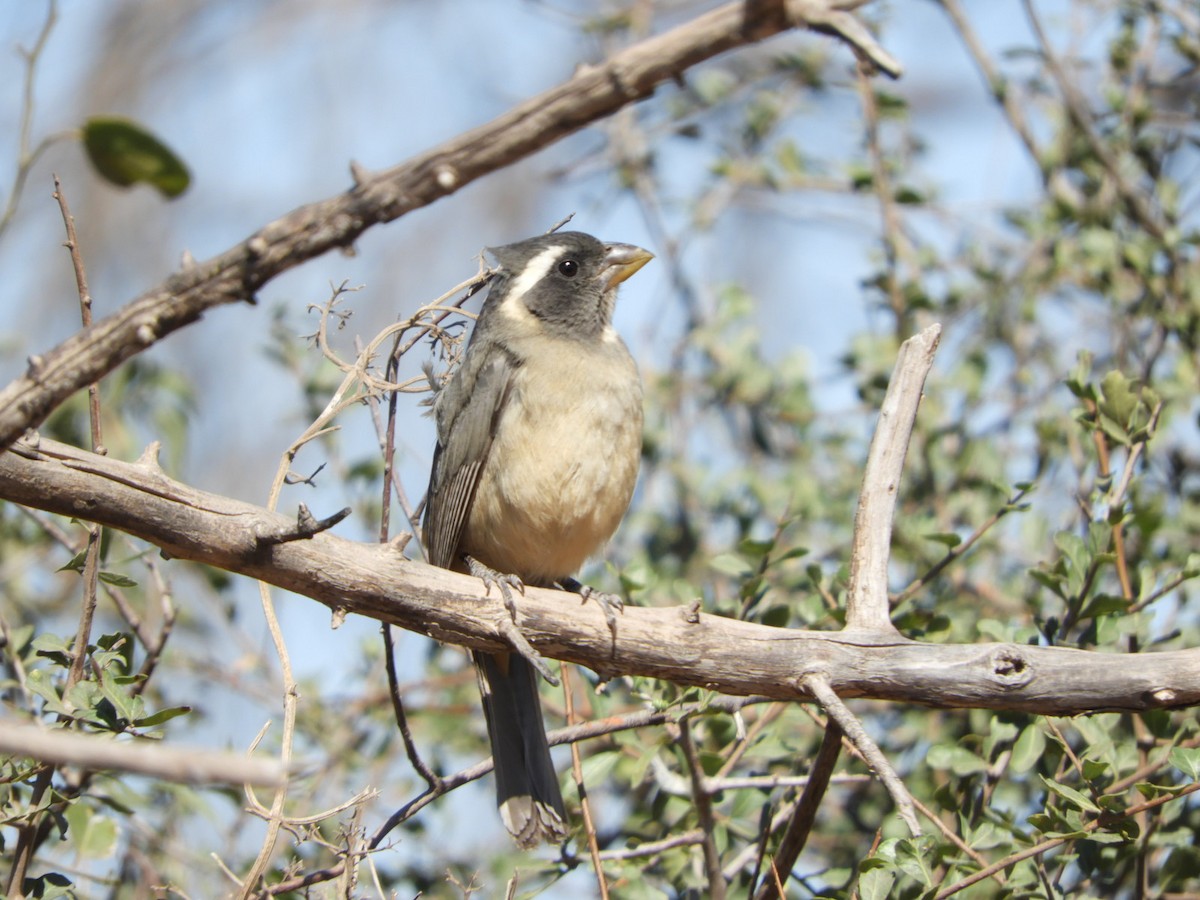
(1181, 866)
(776, 616)
(1104, 605)
(994, 629)
(1186, 760)
(958, 760)
(75, 564)
(915, 858)
(1073, 548)
(1120, 400)
(755, 549)
(1094, 769)
(1149, 790)
(1077, 381)
(1106, 837)
(82, 697)
(1071, 796)
(48, 886)
(53, 647)
(163, 715)
(1114, 430)
(125, 153)
(117, 580)
(599, 766)
(93, 836)
(909, 195)
(876, 883)
(127, 707)
(794, 553)
(39, 682)
(1048, 579)
(731, 564)
(1053, 827)
(19, 638)
(1028, 749)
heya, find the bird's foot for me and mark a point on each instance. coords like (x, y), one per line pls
(610, 604)
(505, 583)
(508, 627)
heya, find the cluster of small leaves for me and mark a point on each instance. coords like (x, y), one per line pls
(1072, 804)
(109, 699)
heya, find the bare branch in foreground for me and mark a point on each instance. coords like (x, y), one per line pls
(719, 654)
(66, 748)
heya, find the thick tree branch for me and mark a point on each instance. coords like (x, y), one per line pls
(592, 93)
(720, 654)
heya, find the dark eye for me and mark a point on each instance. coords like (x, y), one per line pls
(569, 268)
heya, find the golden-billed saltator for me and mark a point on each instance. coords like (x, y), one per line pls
(539, 440)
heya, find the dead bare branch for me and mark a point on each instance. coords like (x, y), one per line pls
(716, 653)
(183, 766)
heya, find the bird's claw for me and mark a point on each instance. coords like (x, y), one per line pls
(610, 604)
(510, 631)
(504, 582)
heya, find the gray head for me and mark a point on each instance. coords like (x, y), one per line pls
(567, 281)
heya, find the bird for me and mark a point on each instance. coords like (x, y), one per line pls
(539, 439)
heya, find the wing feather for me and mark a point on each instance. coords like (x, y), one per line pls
(468, 410)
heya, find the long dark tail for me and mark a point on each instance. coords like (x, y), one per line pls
(527, 793)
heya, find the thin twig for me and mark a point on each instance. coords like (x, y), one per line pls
(959, 550)
(91, 565)
(745, 741)
(358, 379)
(585, 806)
(654, 848)
(996, 82)
(805, 814)
(704, 812)
(641, 718)
(25, 156)
(874, 757)
(895, 244)
(293, 822)
(1133, 197)
(250, 883)
(410, 746)
(27, 832)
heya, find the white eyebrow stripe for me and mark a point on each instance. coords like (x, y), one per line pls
(535, 270)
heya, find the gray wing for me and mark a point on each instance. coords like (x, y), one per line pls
(467, 409)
